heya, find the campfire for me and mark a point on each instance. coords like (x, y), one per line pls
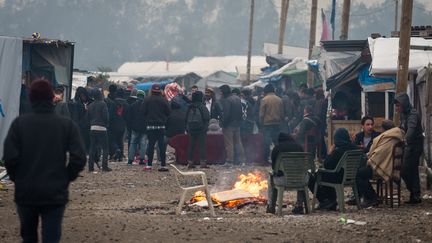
(247, 190)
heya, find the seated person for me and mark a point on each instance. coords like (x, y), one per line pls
(380, 162)
(327, 196)
(364, 138)
(286, 143)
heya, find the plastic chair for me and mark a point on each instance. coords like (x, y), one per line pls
(294, 166)
(349, 163)
(186, 190)
(385, 189)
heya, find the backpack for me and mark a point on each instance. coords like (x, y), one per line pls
(195, 120)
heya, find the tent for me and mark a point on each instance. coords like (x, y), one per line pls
(217, 79)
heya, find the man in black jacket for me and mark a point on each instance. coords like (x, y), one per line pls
(35, 158)
(137, 126)
(231, 120)
(98, 116)
(286, 143)
(410, 123)
(365, 138)
(156, 111)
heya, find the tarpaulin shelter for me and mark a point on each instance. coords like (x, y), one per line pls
(23, 60)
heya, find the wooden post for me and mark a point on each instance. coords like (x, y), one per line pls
(345, 19)
(248, 66)
(312, 33)
(404, 50)
(282, 24)
(396, 15)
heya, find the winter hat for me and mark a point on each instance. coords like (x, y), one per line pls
(41, 90)
(112, 88)
(268, 89)
(225, 89)
(341, 137)
(155, 88)
(197, 96)
(236, 91)
(140, 93)
(133, 93)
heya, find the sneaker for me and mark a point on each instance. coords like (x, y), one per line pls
(297, 210)
(162, 169)
(107, 169)
(147, 168)
(191, 166)
(369, 203)
(270, 209)
(413, 200)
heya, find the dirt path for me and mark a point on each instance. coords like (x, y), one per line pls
(130, 205)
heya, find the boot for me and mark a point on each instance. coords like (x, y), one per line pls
(203, 164)
(190, 165)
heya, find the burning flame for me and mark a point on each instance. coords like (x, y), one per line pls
(252, 183)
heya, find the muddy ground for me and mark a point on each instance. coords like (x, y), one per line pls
(130, 205)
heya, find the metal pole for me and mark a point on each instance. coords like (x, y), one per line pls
(248, 66)
(396, 15)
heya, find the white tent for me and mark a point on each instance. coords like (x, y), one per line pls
(384, 53)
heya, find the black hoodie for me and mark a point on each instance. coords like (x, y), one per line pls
(410, 121)
(286, 143)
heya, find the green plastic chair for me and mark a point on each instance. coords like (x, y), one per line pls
(294, 166)
(349, 163)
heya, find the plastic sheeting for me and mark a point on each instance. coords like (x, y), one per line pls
(385, 51)
(374, 84)
(10, 83)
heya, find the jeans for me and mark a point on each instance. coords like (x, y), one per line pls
(409, 170)
(365, 189)
(116, 143)
(271, 134)
(159, 137)
(98, 139)
(233, 142)
(193, 139)
(52, 217)
(137, 139)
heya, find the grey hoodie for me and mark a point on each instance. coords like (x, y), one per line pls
(410, 121)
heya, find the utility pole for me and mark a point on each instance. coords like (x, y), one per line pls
(312, 33)
(282, 24)
(404, 49)
(248, 66)
(345, 19)
(396, 15)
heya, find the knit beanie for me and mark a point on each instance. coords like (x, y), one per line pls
(41, 90)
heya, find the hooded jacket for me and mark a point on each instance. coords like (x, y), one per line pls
(286, 144)
(79, 109)
(380, 155)
(197, 103)
(98, 111)
(35, 155)
(410, 121)
(231, 111)
(155, 110)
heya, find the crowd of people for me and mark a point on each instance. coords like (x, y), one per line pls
(94, 125)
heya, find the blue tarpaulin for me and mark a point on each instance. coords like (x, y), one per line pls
(371, 84)
(147, 85)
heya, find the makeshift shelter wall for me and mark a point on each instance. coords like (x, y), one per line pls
(385, 51)
(11, 49)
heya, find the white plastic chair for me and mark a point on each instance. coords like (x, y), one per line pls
(186, 190)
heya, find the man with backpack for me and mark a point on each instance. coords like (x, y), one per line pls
(156, 110)
(197, 119)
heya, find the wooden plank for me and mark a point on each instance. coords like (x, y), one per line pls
(231, 195)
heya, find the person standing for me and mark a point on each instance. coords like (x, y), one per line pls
(36, 160)
(211, 103)
(197, 120)
(156, 110)
(98, 116)
(80, 104)
(231, 120)
(271, 116)
(60, 107)
(138, 129)
(410, 123)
